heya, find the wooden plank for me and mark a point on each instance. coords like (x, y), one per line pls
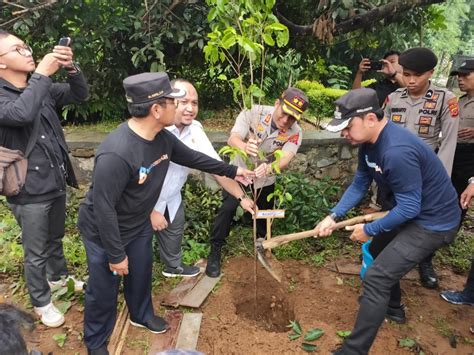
(354, 269)
(189, 331)
(200, 292)
(187, 284)
(121, 327)
(174, 298)
(165, 341)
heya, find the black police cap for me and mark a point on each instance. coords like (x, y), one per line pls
(147, 87)
(466, 67)
(419, 59)
(356, 103)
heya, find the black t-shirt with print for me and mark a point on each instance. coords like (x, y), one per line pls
(127, 179)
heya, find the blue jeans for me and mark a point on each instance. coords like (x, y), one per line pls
(102, 288)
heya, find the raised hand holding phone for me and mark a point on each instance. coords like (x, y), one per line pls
(63, 52)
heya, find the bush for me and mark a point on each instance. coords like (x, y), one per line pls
(321, 99)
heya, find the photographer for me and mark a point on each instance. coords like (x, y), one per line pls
(28, 106)
(391, 70)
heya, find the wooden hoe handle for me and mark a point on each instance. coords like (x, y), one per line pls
(283, 239)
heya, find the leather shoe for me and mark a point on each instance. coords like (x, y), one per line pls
(213, 268)
(396, 314)
(428, 276)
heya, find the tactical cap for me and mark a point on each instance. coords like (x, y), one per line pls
(466, 67)
(294, 102)
(356, 103)
(419, 59)
(147, 87)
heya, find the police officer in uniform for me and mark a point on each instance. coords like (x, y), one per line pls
(463, 166)
(431, 113)
(264, 128)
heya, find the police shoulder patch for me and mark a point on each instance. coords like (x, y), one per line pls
(453, 106)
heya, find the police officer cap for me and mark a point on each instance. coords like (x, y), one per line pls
(420, 60)
(148, 87)
(356, 103)
(466, 67)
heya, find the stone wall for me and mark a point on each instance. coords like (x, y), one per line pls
(321, 154)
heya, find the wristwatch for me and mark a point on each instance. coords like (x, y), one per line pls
(471, 180)
(241, 198)
(74, 69)
(333, 216)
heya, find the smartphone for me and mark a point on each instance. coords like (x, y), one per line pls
(376, 65)
(64, 41)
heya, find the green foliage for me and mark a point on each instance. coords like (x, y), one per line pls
(343, 333)
(458, 254)
(367, 82)
(339, 77)
(60, 339)
(240, 31)
(311, 201)
(313, 334)
(200, 206)
(321, 99)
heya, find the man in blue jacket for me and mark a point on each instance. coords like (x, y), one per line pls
(28, 106)
(426, 212)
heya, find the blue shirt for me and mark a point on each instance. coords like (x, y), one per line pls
(401, 163)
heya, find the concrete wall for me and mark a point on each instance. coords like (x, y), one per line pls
(321, 154)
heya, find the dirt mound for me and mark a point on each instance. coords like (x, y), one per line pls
(234, 323)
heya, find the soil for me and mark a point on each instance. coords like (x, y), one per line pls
(242, 316)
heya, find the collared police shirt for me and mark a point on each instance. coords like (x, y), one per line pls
(466, 115)
(256, 123)
(433, 117)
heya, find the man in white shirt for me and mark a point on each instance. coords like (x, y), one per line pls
(168, 215)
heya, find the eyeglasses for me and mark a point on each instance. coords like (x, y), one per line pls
(22, 50)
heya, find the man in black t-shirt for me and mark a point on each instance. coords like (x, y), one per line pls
(114, 219)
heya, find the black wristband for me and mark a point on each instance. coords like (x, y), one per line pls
(393, 75)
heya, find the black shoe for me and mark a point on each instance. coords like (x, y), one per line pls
(182, 270)
(213, 268)
(428, 276)
(156, 325)
(99, 351)
(397, 314)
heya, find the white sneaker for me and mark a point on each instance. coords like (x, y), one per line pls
(50, 315)
(78, 285)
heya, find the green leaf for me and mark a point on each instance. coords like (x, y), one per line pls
(406, 343)
(288, 196)
(268, 39)
(293, 336)
(309, 348)
(295, 326)
(343, 333)
(222, 77)
(60, 339)
(314, 334)
(63, 307)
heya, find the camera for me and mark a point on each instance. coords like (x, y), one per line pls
(376, 65)
(64, 41)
